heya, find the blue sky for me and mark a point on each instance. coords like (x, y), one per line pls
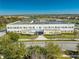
(38, 6)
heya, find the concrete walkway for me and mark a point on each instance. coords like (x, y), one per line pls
(2, 33)
(41, 37)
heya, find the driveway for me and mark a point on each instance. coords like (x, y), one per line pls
(41, 37)
(64, 45)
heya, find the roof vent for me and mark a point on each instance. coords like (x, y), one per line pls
(32, 21)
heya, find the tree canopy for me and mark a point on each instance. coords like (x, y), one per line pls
(13, 36)
(10, 49)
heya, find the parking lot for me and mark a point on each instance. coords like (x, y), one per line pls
(2, 33)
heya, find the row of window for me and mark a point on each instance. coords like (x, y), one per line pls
(37, 27)
(50, 31)
(15, 31)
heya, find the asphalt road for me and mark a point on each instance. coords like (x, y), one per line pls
(67, 45)
(64, 45)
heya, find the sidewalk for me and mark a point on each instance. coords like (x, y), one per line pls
(41, 37)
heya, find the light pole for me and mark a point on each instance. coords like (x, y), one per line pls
(1, 56)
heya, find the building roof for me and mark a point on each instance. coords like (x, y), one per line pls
(39, 22)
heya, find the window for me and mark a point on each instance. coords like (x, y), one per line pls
(71, 27)
(17, 27)
(55, 27)
(33, 27)
(24, 27)
(52, 27)
(20, 27)
(45, 27)
(14, 27)
(39, 27)
(49, 27)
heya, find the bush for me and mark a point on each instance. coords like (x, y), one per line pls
(13, 36)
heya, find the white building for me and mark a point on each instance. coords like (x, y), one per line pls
(40, 27)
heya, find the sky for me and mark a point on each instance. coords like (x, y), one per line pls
(39, 7)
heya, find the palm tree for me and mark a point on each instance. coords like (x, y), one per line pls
(53, 51)
(36, 52)
(78, 46)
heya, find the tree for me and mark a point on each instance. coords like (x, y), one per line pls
(78, 50)
(53, 51)
(10, 49)
(13, 36)
(78, 47)
(37, 52)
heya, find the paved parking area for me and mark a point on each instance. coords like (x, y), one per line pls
(64, 45)
(2, 33)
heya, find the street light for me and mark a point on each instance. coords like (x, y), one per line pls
(1, 56)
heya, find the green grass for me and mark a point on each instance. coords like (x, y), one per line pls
(24, 40)
(63, 36)
(27, 36)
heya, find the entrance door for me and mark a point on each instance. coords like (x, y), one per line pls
(39, 33)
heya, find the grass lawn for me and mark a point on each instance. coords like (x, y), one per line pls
(65, 36)
(24, 40)
(27, 36)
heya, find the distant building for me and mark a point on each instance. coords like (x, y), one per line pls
(40, 27)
